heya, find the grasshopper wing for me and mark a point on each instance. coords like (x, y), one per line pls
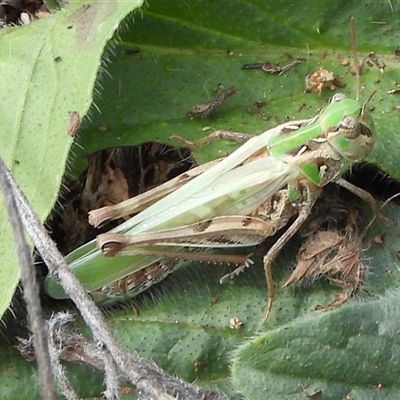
(228, 188)
(229, 173)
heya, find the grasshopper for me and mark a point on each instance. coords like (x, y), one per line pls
(234, 202)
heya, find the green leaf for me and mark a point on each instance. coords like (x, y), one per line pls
(157, 80)
(185, 325)
(19, 379)
(350, 353)
(48, 69)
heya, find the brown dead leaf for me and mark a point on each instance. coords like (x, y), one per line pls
(21, 12)
(74, 123)
(113, 175)
(320, 79)
(115, 190)
(313, 254)
(337, 256)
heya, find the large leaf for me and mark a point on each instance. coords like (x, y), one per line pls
(48, 70)
(174, 57)
(208, 42)
(351, 353)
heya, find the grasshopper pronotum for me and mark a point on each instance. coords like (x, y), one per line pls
(237, 201)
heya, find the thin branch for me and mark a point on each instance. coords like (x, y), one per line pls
(31, 288)
(55, 325)
(149, 379)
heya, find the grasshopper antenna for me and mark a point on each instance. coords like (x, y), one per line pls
(356, 62)
(357, 66)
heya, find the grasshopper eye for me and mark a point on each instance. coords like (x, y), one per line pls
(353, 139)
(349, 127)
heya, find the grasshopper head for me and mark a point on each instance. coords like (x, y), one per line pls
(349, 129)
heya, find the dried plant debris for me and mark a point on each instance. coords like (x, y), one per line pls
(372, 58)
(235, 323)
(273, 68)
(207, 109)
(113, 175)
(74, 123)
(256, 108)
(336, 255)
(316, 393)
(21, 12)
(70, 345)
(394, 91)
(320, 79)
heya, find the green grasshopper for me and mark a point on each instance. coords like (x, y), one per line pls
(237, 201)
